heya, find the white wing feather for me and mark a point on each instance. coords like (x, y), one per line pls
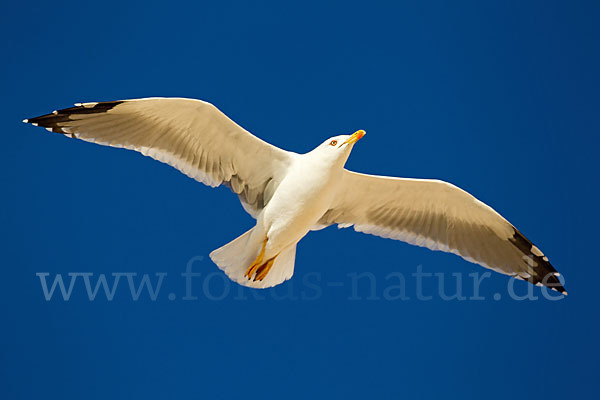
(439, 216)
(190, 135)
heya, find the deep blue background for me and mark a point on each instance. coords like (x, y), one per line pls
(498, 97)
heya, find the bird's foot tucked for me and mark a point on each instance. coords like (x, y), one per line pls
(263, 270)
(257, 263)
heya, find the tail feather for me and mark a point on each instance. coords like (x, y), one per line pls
(236, 256)
(283, 268)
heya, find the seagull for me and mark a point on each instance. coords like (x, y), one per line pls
(290, 194)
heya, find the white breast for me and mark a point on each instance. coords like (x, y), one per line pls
(301, 199)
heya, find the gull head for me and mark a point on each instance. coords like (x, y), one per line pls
(337, 149)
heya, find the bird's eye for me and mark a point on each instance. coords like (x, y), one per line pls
(333, 143)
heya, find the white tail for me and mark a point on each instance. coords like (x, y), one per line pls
(236, 256)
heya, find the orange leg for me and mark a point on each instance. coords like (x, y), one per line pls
(261, 273)
(257, 263)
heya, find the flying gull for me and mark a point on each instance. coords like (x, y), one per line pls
(290, 194)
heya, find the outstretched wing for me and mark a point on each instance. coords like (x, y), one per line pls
(439, 216)
(190, 135)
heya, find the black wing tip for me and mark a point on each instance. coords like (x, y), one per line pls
(51, 121)
(545, 273)
(551, 281)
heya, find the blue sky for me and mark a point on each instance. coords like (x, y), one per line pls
(497, 97)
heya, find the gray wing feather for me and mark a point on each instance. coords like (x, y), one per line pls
(439, 216)
(190, 135)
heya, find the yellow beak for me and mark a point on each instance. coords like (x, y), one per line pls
(355, 137)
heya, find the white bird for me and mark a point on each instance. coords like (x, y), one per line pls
(290, 194)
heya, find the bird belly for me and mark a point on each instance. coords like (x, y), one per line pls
(296, 206)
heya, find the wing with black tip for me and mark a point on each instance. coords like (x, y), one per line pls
(190, 135)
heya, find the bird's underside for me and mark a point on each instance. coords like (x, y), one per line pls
(200, 141)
